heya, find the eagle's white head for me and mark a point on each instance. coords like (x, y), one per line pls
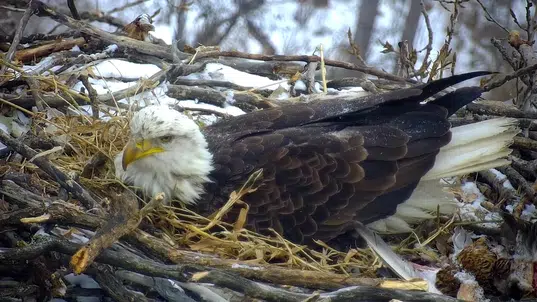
(166, 153)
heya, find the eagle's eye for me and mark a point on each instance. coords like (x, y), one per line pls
(166, 139)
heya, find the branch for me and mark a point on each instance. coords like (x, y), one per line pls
(524, 143)
(18, 34)
(303, 58)
(429, 46)
(245, 101)
(30, 54)
(490, 18)
(355, 293)
(130, 261)
(92, 93)
(114, 287)
(518, 181)
(498, 44)
(124, 219)
(516, 74)
(499, 109)
(122, 41)
(65, 181)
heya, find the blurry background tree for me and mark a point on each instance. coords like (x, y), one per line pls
(300, 26)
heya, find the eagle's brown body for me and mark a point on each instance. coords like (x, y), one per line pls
(327, 165)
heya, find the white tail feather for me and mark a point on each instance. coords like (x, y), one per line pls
(483, 145)
(473, 148)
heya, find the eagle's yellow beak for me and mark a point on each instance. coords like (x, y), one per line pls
(136, 150)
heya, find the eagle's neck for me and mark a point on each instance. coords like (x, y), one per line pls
(190, 173)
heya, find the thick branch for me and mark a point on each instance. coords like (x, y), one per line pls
(122, 41)
(303, 58)
(500, 109)
(355, 293)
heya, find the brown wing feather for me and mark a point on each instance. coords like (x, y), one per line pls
(315, 183)
(324, 171)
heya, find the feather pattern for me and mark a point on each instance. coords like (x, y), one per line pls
(328, 165)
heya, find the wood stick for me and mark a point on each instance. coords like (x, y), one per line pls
(31, 54)
(65, 181)
(18, 35)
(124, 219)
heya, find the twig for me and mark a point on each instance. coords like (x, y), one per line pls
(223, 84)
(524, 143)
(530, 21)
(30, 54)
(65, 181)
(18, 35)
(271, 70)
(505, 194)
(92, 95)
(516, 74)
(125, 6)
(82, 58)
(497, 43)
(499, 109)
(169, 289)
(429, 46)
(114, 287)
(122, 41)
(310, 76)
(517, 180)
(490, 18)
(182, 108)
(72, 8)
(245, 101)
(527, 168)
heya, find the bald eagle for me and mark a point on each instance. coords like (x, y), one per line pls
(327, 164)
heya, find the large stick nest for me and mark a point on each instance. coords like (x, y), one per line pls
(63, 211)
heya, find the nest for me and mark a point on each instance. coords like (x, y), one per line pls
(66, 212)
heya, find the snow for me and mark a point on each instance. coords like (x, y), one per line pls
(215, 71)
(470, 188)
(115, 68)
(231, 110)
(528, 213)
(501, 177)
(6, 130)
(237, 265)
(82, 280)
(472, 210)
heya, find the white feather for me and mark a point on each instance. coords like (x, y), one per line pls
(473, 148)
(397, 264)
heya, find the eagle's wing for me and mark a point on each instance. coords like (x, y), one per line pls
(322, 174)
